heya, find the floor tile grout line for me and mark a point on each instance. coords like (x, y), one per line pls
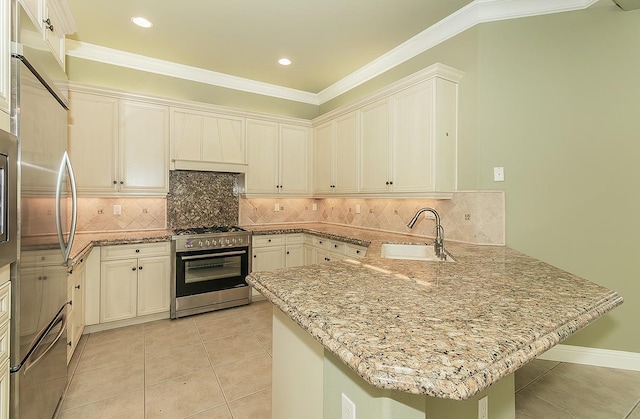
(538, 377)
(634, 407)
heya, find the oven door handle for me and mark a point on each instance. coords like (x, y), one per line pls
(211, 255)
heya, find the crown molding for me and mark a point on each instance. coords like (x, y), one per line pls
(153, 65)
(476, 12)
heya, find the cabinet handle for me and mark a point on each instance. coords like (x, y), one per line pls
(133, 269)
(47, 24)
(69, 343)
(137, 250)
(139, 268)
(77, 287)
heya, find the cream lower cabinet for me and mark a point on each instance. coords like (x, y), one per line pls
(134, 281)
(320, 250)
(268, 252)
(5, 318)
(277, 159)
(118, 146)
(76, 308)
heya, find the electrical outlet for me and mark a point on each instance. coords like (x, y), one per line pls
(498, 174)
(314, 206)
(483, 408)
(117, 209)
(357, 208)
(277, 208)
(348, 408)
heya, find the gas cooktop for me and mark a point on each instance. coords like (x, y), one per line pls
(207, 230)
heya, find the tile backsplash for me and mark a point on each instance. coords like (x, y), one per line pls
(97, 214)
(470, 216)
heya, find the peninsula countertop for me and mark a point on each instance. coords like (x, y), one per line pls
(442, 329)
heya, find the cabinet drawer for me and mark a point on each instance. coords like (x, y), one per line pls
(125, 251)
(4, 341)
(295, 238)
(269, 240)
(41, 258)
(5, 302)
(320, 242)
(354, 251)
(336, 247)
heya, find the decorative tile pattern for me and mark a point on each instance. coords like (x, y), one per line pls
(97, 214)
(469, 217)
(202, 199)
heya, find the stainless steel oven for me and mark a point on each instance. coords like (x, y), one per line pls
(209, 271)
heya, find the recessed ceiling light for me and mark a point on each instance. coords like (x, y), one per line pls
(142, 22)
(284, 61)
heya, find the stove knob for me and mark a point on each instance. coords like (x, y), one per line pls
(233, 241)
(240, 240)
(227, 241)
(200, 243)
(214, 242)
(207, 243)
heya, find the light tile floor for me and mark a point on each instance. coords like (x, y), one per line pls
(218, 365)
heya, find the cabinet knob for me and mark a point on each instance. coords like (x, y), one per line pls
(122, 182)
(335, 245)
(137, 250)
(269, 240)
(358, 252)
(47, 24)
(77, 287)
(133, 269)
(255, 256)
(391, 183)
(115, 182)
(287, 252)
(387, 183)
(69, 343)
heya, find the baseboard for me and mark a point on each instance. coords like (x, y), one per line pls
(100, 327)
(593, 356)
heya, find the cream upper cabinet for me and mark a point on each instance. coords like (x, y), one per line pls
(5, 64)
(399, 141)
(53, 18)
(375, 148)
(324, 147)
(278, 159)
(424, 138)
(144, 147)
(93, 145)
(118, 146)
(336, 156)
(207, 141)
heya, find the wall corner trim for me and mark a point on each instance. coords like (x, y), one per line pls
(594, 357)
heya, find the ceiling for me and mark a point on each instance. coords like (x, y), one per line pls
(327, 40)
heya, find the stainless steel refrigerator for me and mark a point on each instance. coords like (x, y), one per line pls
(46, 225)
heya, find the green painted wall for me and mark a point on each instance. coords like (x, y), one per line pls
(558, 105)
(114, 77)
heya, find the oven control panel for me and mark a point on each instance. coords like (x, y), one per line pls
(212, 242)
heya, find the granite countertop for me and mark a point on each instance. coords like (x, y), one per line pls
(446, 330)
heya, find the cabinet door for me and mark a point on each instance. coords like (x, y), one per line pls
(346, 154)
(262, 157)
(70, 321)
(324, 157)
(93, 133)
(374, 147)
(78, 284)
(294, 255)
(4, 390)
(412, 111)
(144, 147)
(153, 285)
(268, 258)
(294, 160)
(206, 137)
(52, 31)
(118, 290)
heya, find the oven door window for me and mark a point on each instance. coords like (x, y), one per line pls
(211, 270)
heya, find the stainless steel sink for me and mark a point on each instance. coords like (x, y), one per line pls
(415, 251)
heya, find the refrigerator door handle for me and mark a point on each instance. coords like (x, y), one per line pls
(28, 361)
(65, 165)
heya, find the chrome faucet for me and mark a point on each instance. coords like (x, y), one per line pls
(439, 244)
